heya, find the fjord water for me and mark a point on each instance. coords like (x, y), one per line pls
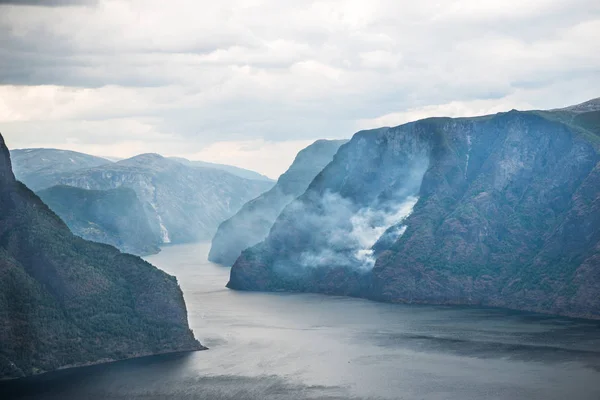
(303, 346)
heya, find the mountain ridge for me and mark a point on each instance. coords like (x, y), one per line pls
(23, 159)
(252, 222)
(114, 217)
(68, 302)
(232, 169)
(490, 191)
(183, 203)
(40, 168)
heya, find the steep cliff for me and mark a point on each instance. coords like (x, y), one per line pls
(114, 217)
(251, 224)
(501, 210)
(183, 203)
(65, 301)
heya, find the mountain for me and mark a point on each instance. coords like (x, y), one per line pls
(501, 210)
(251, 224)
(67, 302)
(182, 203)
(114, 217)
(241, 172)
(41, 168)
(184, 200)
(585, 107)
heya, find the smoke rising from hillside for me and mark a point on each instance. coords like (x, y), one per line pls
(351, 232)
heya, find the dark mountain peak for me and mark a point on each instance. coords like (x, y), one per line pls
(6, 174)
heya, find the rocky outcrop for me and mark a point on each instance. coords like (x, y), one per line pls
(114, 217)
(183, 203)
(66, 302)
(251, 224)
(501, 210)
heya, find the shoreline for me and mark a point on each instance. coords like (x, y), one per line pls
(590, 318)
(103, 361)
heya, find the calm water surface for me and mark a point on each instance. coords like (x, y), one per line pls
(296, 346)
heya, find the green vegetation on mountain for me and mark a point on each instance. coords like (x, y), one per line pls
(508, 215)
(65, 301)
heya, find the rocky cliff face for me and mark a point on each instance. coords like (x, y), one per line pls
(114, 217)
(502, 210)
(65, 301)
(251, 224)
(182, 203)
(6, 173)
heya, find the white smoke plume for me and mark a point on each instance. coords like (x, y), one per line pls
(349, 228)
(368, 225)
(352, 233)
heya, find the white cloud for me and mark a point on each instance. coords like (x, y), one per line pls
(452, 109)
(262, 156)
(267, 71)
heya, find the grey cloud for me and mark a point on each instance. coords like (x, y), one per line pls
(48, 3)
(206, 72)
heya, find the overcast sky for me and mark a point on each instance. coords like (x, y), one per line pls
(251, 82)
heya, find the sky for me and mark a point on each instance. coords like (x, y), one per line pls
(249, 83)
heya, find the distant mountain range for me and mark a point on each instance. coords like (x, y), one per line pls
(241, 172)
(114, 217)
(67, 302)
(42, 168)
(182, 201)
(501, 210)
(251, 224)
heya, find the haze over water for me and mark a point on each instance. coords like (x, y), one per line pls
(302, 346)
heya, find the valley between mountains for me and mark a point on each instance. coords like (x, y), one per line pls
(500, 210)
